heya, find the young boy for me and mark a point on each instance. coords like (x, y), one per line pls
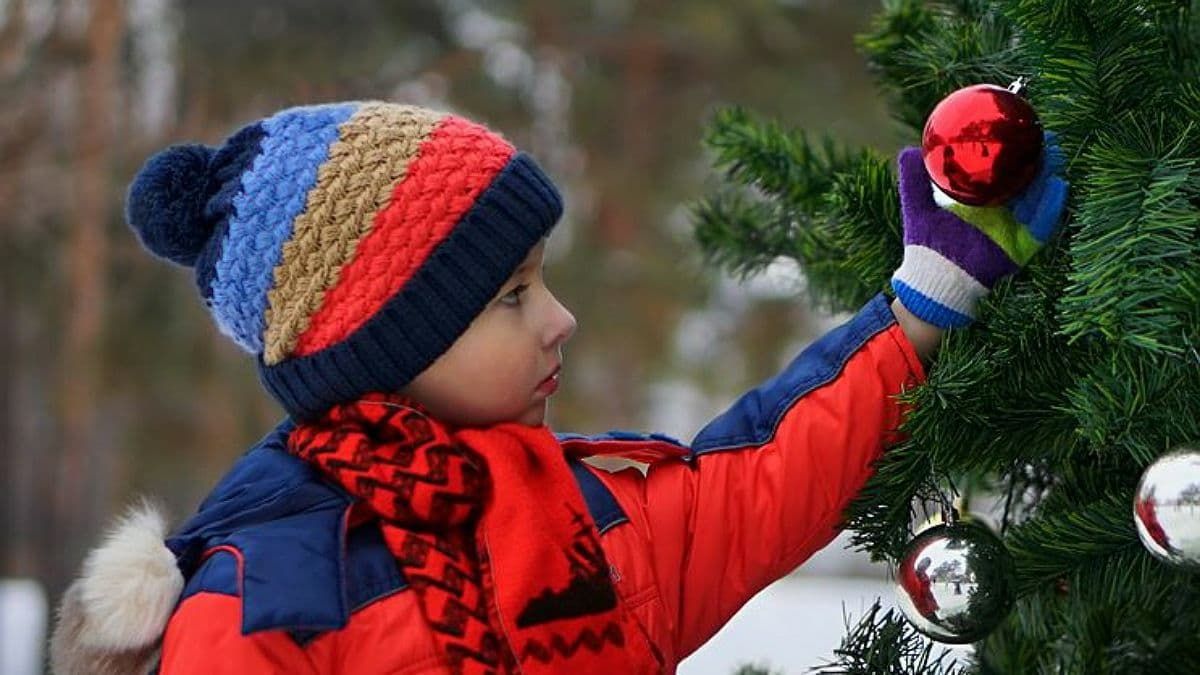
(413, 514)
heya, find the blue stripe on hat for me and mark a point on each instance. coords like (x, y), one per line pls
(273, 192)
(228, 165)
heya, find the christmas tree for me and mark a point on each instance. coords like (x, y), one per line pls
(1081, 371)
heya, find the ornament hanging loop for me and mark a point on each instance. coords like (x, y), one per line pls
(1018, 86)
(950, 514)
(946, 504)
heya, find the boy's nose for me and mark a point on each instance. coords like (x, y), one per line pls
(561, 326)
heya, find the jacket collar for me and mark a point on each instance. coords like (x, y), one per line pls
(289, 527)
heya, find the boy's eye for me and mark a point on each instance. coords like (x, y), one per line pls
(513, 297)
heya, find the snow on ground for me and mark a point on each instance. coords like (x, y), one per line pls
(791, 626)
(22, 627)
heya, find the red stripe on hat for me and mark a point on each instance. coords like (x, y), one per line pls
(452, 168)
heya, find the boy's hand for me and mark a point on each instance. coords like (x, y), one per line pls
(953, 256)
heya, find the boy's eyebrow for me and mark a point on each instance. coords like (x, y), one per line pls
(523, 267)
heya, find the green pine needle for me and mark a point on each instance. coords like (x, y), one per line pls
(884, 643)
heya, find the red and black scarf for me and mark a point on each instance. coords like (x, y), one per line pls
(492, 533)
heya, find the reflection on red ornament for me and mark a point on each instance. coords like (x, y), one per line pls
(982, 145)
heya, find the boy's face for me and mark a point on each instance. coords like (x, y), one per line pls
(505, 366)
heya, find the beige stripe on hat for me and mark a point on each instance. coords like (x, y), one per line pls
(372, 154)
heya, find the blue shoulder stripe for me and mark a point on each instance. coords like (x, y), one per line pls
(601, 504)
(619, 435)
(752, 420)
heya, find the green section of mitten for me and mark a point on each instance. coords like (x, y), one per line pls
(1001, 227)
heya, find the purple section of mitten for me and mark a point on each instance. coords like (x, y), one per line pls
(929, 225)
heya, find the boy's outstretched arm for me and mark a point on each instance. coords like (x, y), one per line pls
(771, 477)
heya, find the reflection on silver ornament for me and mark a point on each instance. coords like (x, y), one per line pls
(1166, 507)
(955, 582)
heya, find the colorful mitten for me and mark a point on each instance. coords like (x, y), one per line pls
(953, 256)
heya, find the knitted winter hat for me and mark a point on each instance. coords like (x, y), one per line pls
(347, 245)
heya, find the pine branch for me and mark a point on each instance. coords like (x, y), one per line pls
(1125, 614)
(1129, 404)
(948, 431)
(887, 645)
(879, 518)
(865, 207)
(920, 52)
(1131, 615)
(814, 203)
(1053, 546)
(1095, 61)
(1136, 231)
(1006, 394)
(782, 163)
(743, 235)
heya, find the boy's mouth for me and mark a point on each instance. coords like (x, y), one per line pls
(550, 384)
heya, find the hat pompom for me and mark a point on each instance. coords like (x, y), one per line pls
(166, 203)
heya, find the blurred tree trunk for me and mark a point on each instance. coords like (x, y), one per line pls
(219, 413)
(11, 45)
(12, 40)
(622, 207)
(23, 109)
(9, 461)
(86, 256)
(639, 112)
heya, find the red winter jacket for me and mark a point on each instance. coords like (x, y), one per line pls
(284, 577)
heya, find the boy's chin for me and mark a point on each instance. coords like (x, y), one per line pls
(534, 416)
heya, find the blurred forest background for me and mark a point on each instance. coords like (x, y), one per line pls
(116, 383)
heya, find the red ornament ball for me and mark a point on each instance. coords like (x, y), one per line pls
(982, 145)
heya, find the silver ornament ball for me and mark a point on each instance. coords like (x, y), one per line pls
(955, 582)
(1166, 507)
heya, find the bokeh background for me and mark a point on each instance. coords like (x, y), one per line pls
(116, 384)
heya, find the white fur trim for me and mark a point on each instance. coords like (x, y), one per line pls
(130, 584)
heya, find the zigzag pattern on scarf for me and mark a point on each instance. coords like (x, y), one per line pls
(587, 639)
(488, 654)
